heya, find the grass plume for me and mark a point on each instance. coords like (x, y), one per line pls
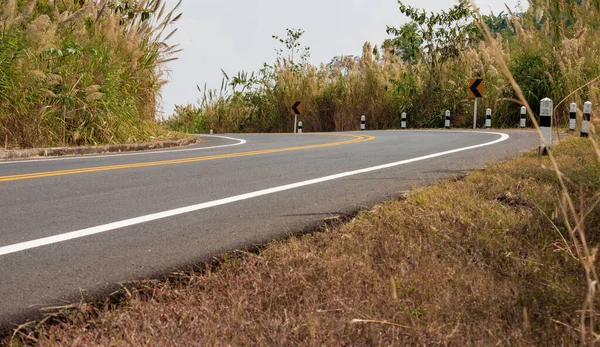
(82, 72)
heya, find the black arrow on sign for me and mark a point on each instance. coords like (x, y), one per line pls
(474, 87)
(295, 107)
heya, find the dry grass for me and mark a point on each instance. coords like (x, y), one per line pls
(82, 72)
(574, 218)
(481, 261)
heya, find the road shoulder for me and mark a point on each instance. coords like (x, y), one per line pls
(88, 150)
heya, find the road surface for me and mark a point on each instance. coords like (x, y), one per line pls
(77, 227)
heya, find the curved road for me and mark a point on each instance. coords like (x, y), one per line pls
(78, 226)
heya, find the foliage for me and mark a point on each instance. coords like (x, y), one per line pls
(187, 119)
(530, 71)
(407, 42)
(423, 70)
(439, 36)
(552, 53)
(78, 72)
(293, 46)
(499, 23)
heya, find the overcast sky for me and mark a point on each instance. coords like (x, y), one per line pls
(235, 35)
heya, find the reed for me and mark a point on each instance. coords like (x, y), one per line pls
(82, 72)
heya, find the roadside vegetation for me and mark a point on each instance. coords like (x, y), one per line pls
(423, 69)
(82, 72)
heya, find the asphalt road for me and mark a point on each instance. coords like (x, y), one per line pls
(77, 227)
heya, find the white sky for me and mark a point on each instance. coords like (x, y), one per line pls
(235, 35)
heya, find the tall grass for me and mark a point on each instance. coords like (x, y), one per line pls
(81, 72)
(576, 204)
(550, 49)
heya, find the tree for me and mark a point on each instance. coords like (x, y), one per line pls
(498, 23)
(434, 37)
(407, 42)
(294, 48)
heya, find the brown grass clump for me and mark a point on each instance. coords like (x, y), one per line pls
(481, 261)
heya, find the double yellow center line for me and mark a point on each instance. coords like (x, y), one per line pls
(355, 139)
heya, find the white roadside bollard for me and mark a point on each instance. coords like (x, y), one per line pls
(523, 117)
(363, 120)
(299, 127)
(587, 117)
(488, 118)
(546, 111)
(447, 125)
(573, 117)
(211, 131)
(403, 121)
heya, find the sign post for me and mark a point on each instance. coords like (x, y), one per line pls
(476, 88)
(475, 115)
(296, 109)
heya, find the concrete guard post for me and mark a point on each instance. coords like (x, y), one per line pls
(447, 125)
(523, 117)
(546, 112)
(488, 118)
(572, 117)
(403, 121)
(587, 117)
(363, 120)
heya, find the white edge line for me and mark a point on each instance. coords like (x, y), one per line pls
(160, 215)
(240, 142)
